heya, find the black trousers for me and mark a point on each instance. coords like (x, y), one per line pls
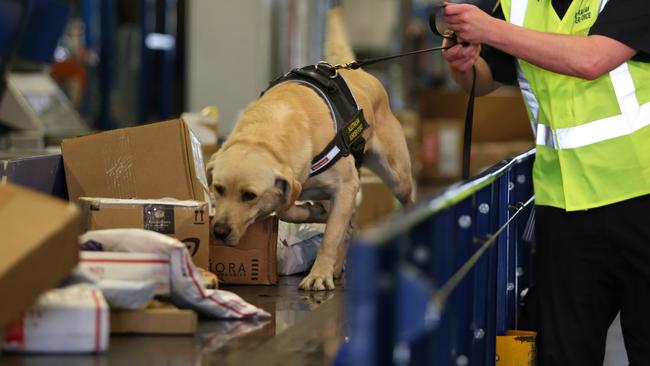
(589, 266)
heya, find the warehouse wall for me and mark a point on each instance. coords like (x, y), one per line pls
(228, 55)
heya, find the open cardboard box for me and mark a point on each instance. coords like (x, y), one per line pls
(187, 221)
(38, 248)
(153, 161)
(164, 160)
(150, 161)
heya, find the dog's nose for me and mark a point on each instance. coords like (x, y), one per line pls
(221, 231)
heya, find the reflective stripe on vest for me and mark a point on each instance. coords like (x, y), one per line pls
(593, 132)
(517, 15)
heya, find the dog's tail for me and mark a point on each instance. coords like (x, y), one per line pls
(337, 45)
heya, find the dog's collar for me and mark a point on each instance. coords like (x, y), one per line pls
(348, 118)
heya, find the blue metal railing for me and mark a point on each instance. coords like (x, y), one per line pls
(439, 282)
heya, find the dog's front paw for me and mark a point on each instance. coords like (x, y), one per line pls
(320, 278)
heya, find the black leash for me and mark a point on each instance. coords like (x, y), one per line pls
(361, 63)
(469, 114)
(467, 133)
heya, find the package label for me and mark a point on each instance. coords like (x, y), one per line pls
(159, 218)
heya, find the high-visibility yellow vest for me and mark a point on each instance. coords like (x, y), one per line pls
(593, 136)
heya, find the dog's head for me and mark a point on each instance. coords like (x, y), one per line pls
(248, 183)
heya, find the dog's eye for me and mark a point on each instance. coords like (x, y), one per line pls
(220, 190)
(248, 196)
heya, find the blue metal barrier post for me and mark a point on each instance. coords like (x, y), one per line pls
(437, 284)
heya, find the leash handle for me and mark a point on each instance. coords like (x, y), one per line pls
(433, 25)
(467, 133)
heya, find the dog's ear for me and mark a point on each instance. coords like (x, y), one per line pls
(290, 189)
(208, 173)
(209, 167)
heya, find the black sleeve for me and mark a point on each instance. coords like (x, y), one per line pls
(627, 21)
(501, 64)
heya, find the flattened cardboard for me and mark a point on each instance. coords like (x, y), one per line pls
(253, 261)
(150, 161)
(187, 221)
(39, 236)
(166, 320)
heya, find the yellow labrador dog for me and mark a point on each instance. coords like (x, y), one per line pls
(264, 165)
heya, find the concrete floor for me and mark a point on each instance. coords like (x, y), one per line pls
(306, 328)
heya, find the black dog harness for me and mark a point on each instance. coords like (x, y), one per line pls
(348, 117)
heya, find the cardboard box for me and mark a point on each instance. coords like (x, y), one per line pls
(187, 221)
(38, 246)
(253, 261)
(150, 161)
(127, 266)
(498, 116)
(486, 154)
(163, 320)
(442, 151)
(377, 202)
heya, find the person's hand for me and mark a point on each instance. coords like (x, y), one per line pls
(459, 57)
(468, 22)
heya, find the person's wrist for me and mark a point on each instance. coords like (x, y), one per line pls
(495, 25)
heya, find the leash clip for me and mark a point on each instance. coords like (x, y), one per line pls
(348, 65)
(333, 70)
